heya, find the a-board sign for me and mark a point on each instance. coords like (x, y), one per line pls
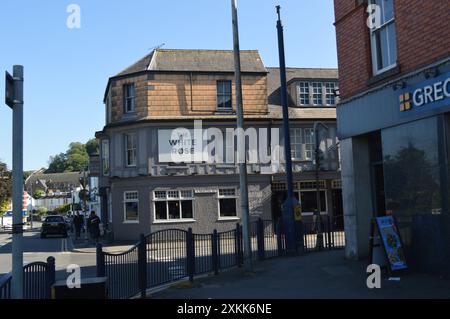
(391, 242)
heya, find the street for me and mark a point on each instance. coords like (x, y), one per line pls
(37, 249)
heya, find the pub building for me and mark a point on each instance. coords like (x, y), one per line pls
(143, 188)
(394, 125)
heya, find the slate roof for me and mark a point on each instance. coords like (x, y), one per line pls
(273, 79)
(57, 179)
(196, 61)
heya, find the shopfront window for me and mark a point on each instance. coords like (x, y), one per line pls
(413, 172)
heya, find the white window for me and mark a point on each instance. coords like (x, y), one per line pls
(130, 149)
(302, 144)
(330, 97)
(308, 141)
(383, 38)
(296, 143)
(317, 93)
(129, 98)
(131, 206)
(303, 93)
(173, 205)
(227, 203)
(105, 157)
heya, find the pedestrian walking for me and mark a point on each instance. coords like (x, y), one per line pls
(78, 222)
(94, 226)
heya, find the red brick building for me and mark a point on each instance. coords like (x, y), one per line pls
(394, 123)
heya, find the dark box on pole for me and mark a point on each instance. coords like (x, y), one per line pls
(91, 288)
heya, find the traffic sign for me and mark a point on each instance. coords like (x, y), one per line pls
(9, 90)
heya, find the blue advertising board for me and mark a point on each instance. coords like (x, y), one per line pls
(427, 95)
(392, 243)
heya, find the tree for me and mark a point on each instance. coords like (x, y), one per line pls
(75, 159)
(39, 193)
(57, 163)
(92, 147)
(62, 209)
(41, 211)
(26, 174)
(5, 187)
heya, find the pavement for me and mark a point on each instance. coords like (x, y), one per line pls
(67, 251)
(315, 275)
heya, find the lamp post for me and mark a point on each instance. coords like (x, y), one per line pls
(248, 265)
(292, 235)
(319, 239)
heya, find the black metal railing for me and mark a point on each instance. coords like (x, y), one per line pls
(170, 255)
(38, 278)
(330, 235)
(5, 286)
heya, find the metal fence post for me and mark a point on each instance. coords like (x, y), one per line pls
(142, 265)
(51, 274)
(100, 261)
(215, 256)
(279, 239)
(190, 254)
(328, 233)
(260, 238)
(238, 244)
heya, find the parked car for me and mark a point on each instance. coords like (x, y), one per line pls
(54, 225)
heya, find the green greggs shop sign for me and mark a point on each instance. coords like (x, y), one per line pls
(425, 96)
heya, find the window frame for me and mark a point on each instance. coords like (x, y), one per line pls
(374, 49)
(294, 142)
(328, 93)
(219, 197)
(299, 93)
(103, 148)
(230, 83)
(134, 200)
(302, 143)
(127, 98)
(322, 211)
(178, 199)
(314, 93)
(126, 135)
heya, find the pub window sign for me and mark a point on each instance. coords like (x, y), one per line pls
(9, 90)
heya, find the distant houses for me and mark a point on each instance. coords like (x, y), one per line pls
(54, 190)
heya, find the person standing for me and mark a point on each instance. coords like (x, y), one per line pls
(94, 226)
(78, 222)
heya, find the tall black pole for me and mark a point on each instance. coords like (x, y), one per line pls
(241, 154)
(288, 206)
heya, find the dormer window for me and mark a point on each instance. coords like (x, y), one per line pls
(317, 93)
(303, 93)
(129, 98)
(330, 93)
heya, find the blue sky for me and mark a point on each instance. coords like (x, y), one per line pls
(66, 70)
